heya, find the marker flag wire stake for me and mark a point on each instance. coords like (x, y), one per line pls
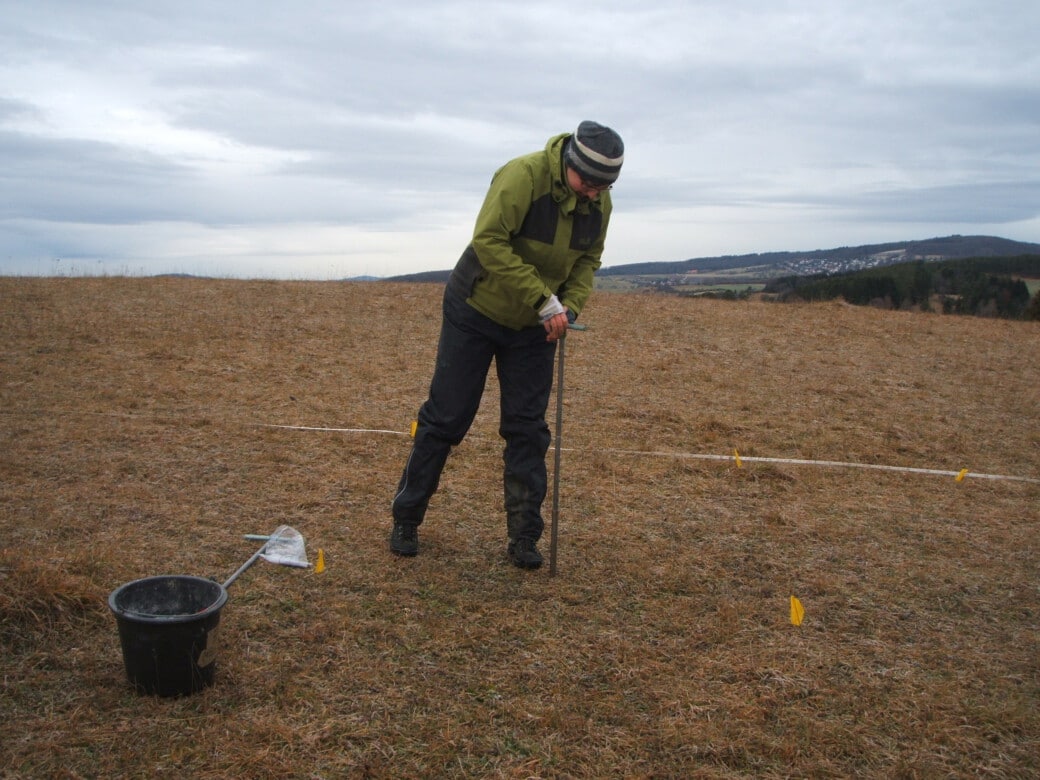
(960, 477)
(736, 457)
(797, 612)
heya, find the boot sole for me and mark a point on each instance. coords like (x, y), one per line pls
(529, 565)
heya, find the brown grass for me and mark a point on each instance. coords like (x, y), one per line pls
(134, 442)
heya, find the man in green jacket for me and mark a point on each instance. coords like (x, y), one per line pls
(524, 277)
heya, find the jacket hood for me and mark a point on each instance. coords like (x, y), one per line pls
(561, 191)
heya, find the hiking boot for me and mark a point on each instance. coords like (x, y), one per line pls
(404, 540)
(524, 554)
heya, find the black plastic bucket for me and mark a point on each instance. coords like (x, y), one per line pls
(168, 628)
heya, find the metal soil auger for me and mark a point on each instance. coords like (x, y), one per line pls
(554, 528)
(169, 625)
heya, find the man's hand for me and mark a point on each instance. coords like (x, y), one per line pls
(554, 318)
(556, 327)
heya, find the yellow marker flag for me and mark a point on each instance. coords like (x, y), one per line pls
(797, 612)
(414, 428)
(736, 457)
(960, 477)
(319, 567)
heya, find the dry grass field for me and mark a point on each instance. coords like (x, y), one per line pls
(139, 436)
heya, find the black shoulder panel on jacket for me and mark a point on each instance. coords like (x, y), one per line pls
(540, 222)
(586, 229)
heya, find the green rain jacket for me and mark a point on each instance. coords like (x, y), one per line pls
(533, 238)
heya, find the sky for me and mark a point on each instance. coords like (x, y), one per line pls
(335, 139)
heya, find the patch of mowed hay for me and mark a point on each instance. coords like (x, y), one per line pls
(37, 597)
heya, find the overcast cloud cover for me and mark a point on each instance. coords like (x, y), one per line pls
(317, 140)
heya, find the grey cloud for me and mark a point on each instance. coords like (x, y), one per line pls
(970, 204)
(11, 110)
(377, 115)
(62, 180)
(75, 180)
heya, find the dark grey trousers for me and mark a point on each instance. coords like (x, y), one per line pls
(524, 364)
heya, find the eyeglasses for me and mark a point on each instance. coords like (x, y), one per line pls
(595, 187)
(586, 186)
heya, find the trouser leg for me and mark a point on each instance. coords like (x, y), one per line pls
(463, 358)
(525, 372)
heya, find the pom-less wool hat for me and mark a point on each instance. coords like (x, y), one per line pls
(596, 153)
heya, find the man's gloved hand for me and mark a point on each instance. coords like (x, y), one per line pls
(554, 317)
(551, 308)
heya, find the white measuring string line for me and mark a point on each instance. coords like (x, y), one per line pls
(333, 430)
(729, 458)
(824, 463)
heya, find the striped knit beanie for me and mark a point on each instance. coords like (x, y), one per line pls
(596, 153)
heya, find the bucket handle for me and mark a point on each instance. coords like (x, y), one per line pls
(247, 564)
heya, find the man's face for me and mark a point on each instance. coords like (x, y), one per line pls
(582, 187)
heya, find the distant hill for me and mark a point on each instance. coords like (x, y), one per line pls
(426, 276)
(770, 265)
(978, 286)
(839, 260)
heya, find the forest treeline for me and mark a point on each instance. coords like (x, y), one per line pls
(977, 286)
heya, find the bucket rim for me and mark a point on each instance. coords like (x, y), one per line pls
(138, 617)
